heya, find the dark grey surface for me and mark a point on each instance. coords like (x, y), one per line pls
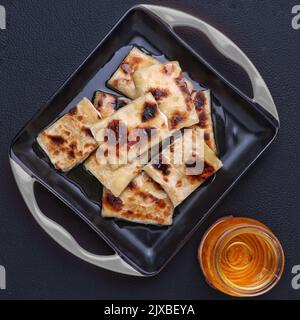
(44, 43)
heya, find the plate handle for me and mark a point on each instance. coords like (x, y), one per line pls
(225, 46)
(26, 186)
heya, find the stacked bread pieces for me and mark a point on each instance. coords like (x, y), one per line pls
(137, 186)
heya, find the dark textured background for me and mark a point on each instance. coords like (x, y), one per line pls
(44, 43)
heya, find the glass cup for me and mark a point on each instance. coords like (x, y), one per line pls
(241, 257)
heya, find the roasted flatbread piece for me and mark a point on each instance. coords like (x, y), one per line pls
(131, 130)
(69, 141)
(202, 102)
(180, 179)
(122, 79)
(116, 179)
(103, 164)
(170, 90)
(106, 103)
(143, 201)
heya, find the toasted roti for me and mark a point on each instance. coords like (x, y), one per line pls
(135, 128)
(122, 79)
(69, 141)
(101, 164)
(106, 103)
(202, 102)
(143, 201)
(114, 179)
(180, 180)
(170, 90)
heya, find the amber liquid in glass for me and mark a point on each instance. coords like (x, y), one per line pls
(241, 257)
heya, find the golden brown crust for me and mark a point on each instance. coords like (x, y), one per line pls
(202, 102)
(69, 141)
(116, 179)
(106, 103)
(133, 128)
(143, 201)
(122, 78)
(171, 92)
(180, 179)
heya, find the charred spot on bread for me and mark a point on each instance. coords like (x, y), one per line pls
(207, 172)
(87, 131)
(113, 201)
(73, 111)
(131, 185)
(162, 167)
(176, 118)
(122, 102)
(127, 68)
(168, 68)
(98, 100)
(105, 103)
(114, 125)
(73, 145)
(199, 100)
(130, 64)
(67, 132)
(172, 148)
(90, 145)
(119, 129)
(133, 61)
(159, 93)
(161, 204)
(146, 196)
(202, 119)
(149, 112)
(71, 154)
(57, 140)
(156, 185)
(179, 184)
(182, 85)
(115, 82)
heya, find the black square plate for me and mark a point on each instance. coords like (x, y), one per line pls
(242, 128)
